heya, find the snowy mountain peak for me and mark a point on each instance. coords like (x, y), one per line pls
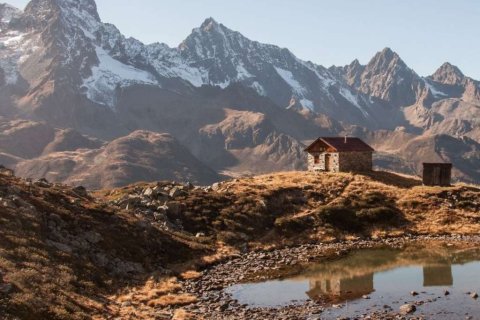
(81, 13)
(448, 74)
(8, 12)
(89, 6)
(84, 7)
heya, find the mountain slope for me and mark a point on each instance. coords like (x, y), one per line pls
(140, 156)
(64, 253)
(247, 142)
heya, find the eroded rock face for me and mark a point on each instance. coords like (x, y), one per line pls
(386, 77)
(448, 74)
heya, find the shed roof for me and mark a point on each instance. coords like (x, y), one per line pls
(342, 144)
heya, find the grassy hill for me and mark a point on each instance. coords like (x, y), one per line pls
(68, 254)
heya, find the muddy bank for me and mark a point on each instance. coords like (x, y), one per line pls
(216, 303)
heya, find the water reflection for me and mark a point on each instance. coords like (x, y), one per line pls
(379, 273)
(338, 288)
(439, 275)
(354, 276)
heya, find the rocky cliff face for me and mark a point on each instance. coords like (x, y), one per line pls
(448, 74)
(387, 78)
(59, 63)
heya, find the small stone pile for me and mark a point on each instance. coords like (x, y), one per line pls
(156, 203)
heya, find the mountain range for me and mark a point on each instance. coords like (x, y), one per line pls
(81, 103)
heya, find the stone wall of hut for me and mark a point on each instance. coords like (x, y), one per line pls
(342, 162)
(356, 161)
(320, 166)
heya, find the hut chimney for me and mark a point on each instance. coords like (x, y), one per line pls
(345, 139)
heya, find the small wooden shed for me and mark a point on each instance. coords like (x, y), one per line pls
(437, 174)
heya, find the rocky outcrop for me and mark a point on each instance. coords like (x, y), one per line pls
(386, 77)
(448, 74)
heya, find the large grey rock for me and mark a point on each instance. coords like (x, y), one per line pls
(176, 192)
(148, 192)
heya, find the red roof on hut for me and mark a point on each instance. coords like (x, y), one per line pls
(339, 144)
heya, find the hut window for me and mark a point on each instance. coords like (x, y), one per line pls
(316, 159)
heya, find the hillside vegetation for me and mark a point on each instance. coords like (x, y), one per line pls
(302, 206)
(69, 254)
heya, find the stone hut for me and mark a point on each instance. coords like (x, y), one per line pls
(337, 154)
(437, 174)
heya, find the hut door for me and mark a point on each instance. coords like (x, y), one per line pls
(437, 173)
(327, 162)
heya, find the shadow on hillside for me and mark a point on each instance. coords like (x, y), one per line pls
(394, 179)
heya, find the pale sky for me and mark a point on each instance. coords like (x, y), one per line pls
(425, 33)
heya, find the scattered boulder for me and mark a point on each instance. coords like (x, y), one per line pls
(176, 192)
(42, 183)
(474, 295)
(148, 192)
(162, 209)
(407, 309)
(174, 208)
(414, 293)
(81, 191)
(189, 186)
(60, 246)
(6, 288)
(6, 172)
(93, 237)
(7, 203)
(159, 216)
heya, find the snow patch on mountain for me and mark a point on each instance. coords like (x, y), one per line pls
(108, 75)
(259, 88)
(15, 48)
(347, 94)
(307, 103)
(288, 77)
(436, 93)
(243, 73)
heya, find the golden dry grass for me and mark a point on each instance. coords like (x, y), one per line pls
(157, 292)
(190, 275)
(172, 300)
(246, 209)
(181, 314)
